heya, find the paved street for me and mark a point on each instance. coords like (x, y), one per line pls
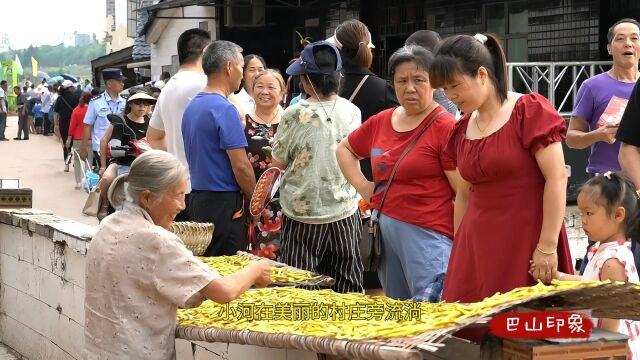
(38, 164)
(6, 353)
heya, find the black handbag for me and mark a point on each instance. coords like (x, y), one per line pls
(370, 243)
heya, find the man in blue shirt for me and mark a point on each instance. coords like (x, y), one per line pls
(222, 178)
(100, 106)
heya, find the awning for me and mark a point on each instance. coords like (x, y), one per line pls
(140, 64)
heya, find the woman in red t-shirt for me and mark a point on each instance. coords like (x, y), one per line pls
(416, 219)
(510, 202)
(76, 129)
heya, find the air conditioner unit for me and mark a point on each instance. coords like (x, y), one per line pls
(244, 13)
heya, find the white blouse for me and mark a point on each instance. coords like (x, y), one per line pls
(137, 275)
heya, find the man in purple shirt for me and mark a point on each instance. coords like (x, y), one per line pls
(586, 128)
(595, 94)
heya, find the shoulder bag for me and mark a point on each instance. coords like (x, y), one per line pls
(355, 92)
(371, 240)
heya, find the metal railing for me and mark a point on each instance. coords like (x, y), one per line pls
(558, 81)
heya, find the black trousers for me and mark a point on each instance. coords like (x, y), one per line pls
(228, 213)
(3, 124)
(96, 161)
(184, 214)
(64, 133)
(329, 249)
(48, 126)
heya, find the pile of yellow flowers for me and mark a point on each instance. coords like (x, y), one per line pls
(347, 316)
(227, 265)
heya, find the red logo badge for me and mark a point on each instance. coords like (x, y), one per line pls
(541, 325)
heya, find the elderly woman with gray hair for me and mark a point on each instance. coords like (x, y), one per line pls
(416, 216)
(138, 273)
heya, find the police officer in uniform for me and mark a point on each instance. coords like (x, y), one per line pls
(109, 102)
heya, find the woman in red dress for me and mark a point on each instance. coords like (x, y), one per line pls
(510, 204)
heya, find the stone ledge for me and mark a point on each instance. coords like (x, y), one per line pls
(55, 228)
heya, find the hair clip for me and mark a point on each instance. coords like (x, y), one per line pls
(607, 175)
(480, 37)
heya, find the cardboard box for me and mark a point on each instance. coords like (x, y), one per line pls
(16, 198)
(601, 345)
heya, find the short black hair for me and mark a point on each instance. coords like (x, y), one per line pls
(621, 21)
(165, 75)
(410, 53)
(428, 39)
(611, 191)
(250, 57)
(3, 82)
(326, 60)
(190, 45)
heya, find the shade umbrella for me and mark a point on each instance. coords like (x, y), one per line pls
(55, 79)
(70, 77)
(43, 75)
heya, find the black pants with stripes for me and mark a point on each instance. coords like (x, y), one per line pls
(329, 249)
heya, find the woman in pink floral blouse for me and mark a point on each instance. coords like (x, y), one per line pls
(262, 123)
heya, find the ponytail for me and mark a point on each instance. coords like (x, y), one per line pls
(363, 56)
(116, 194)
(616, 189)
(352, 38)
(464, 55)
(153, 170)
(499, 66)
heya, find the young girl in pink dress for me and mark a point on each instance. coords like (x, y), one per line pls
(608, 204)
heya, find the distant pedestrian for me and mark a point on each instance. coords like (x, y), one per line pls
(23, 117)
(76, 130)
(47, 102)
(3, 109)
(87, 86)
(37, 115)
(67, 101)
(31, 103)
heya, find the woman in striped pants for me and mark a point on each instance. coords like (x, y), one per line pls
(320, 222)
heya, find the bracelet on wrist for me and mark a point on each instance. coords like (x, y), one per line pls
(546, 252)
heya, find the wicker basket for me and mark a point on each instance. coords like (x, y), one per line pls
(195, 236)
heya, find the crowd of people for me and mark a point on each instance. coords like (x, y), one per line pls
(466, 179)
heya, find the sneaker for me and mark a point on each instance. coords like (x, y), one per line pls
(4, 139)
(17, 138)
(66, 167)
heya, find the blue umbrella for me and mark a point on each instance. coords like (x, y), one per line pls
(43, 75)
(55, 79)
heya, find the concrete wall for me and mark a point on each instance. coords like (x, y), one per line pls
(118, 31)
(42, 259)
(163, 35)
